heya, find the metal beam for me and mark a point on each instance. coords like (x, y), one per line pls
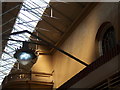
(6, 59)
(27, 42)
(47, 21)
(51, 45)
(45, 36)
(10, 9)
(57, 11)
(46, 15)
(29, 25)
(8, 21)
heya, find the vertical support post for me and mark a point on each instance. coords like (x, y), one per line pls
(18, 66)
(118, 36)
(30, 75)
(51, 12)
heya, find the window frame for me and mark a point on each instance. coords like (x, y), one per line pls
(100, 34)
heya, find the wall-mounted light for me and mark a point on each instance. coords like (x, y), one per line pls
(25, 55)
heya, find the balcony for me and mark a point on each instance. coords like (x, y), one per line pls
(28, 80)
(102, 68)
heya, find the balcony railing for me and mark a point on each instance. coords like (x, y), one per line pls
(109, 55)
(43, 78)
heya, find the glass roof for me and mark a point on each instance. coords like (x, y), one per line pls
(28, 17)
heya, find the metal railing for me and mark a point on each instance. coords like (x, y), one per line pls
(109, 55)
(38, 77)
(111, 82)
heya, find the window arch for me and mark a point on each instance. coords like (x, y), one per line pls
(108, 40)
(106, 37)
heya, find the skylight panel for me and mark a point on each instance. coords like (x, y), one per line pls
(28, 17)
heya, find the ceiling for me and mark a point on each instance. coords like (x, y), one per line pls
(58, 21)
(9, 12)
(55, 27)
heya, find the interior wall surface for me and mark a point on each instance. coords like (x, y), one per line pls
(43, 64)
(82, 42)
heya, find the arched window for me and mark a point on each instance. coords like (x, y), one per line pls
(106, 37)
(108, 40)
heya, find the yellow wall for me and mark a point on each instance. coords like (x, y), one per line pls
(43, 64)
(82, 43)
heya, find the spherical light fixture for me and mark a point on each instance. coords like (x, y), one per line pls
(25, 55)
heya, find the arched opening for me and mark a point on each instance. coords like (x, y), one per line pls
(106, 37)
(108, 40)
